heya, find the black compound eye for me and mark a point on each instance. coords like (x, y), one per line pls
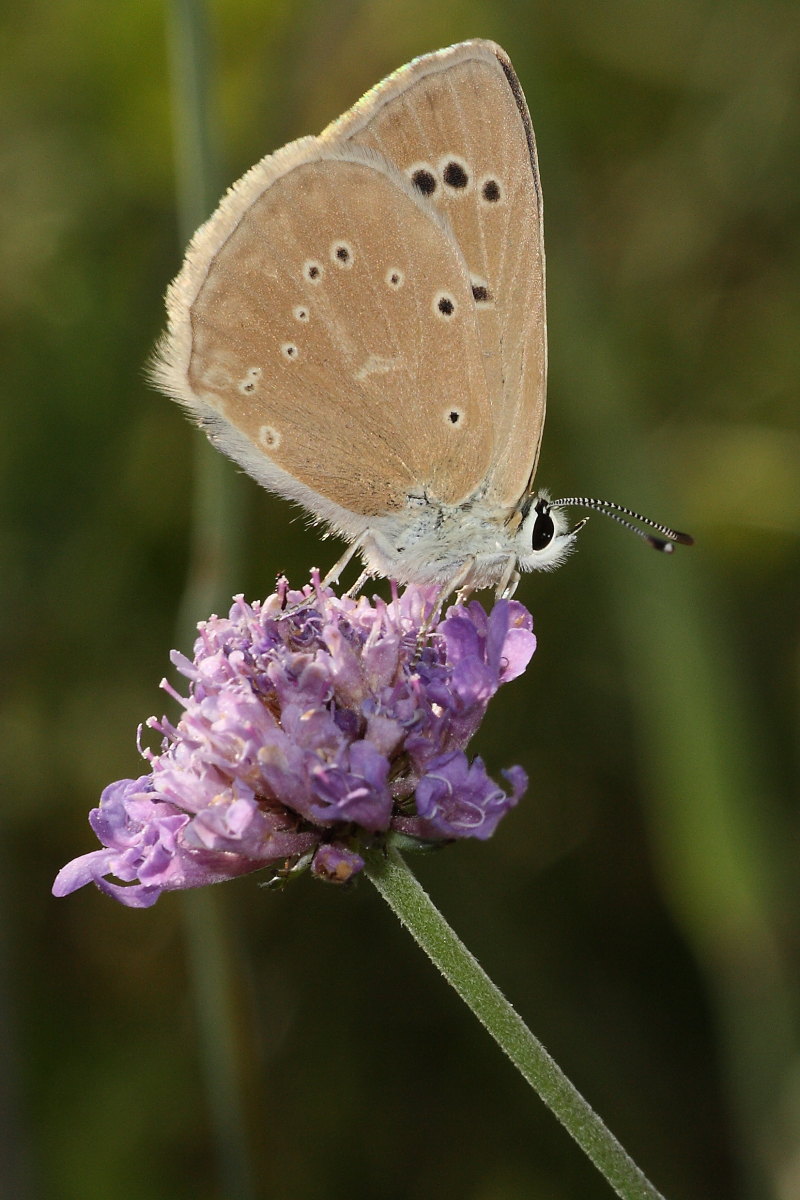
(543, 527)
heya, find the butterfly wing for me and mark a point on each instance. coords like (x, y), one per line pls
(456, 123)
(323, 330)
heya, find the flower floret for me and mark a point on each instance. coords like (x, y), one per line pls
(314, 727)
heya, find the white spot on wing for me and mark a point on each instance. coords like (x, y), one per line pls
(376, 365)
(480, 291)
(313, 270)
(215, 377)
(250, 382)
(444, 306)
(342, 254)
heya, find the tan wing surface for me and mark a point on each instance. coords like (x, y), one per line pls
(324, 325)
(457, 122)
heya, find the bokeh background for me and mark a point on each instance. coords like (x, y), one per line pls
(641, 907)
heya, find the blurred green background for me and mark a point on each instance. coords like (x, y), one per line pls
(640, 908)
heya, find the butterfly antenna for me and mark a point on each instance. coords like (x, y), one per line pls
(609, 509)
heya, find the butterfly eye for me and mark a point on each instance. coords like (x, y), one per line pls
(543, 527)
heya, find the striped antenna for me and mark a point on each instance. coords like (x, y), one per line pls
(609, 509)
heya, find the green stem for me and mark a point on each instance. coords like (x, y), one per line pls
(409, 901)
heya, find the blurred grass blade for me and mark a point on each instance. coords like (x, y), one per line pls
(213, 555)
(722, 864)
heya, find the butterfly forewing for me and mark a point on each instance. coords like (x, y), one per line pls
(456, 123)
(324, 322)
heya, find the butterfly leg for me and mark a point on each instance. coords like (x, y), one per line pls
(507, 583)
(354, 590)
(332, 576)
(457, 584)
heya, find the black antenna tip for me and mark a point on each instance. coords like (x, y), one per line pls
(685, 539)
(659, 544)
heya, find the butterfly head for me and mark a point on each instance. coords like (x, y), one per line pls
(544, 538)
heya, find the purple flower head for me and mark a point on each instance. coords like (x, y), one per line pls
(310, 734)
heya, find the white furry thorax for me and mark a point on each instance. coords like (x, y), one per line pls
(474, 542)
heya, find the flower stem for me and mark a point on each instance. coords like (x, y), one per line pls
(408, 900)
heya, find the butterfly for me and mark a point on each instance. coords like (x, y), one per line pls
(361, 327)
